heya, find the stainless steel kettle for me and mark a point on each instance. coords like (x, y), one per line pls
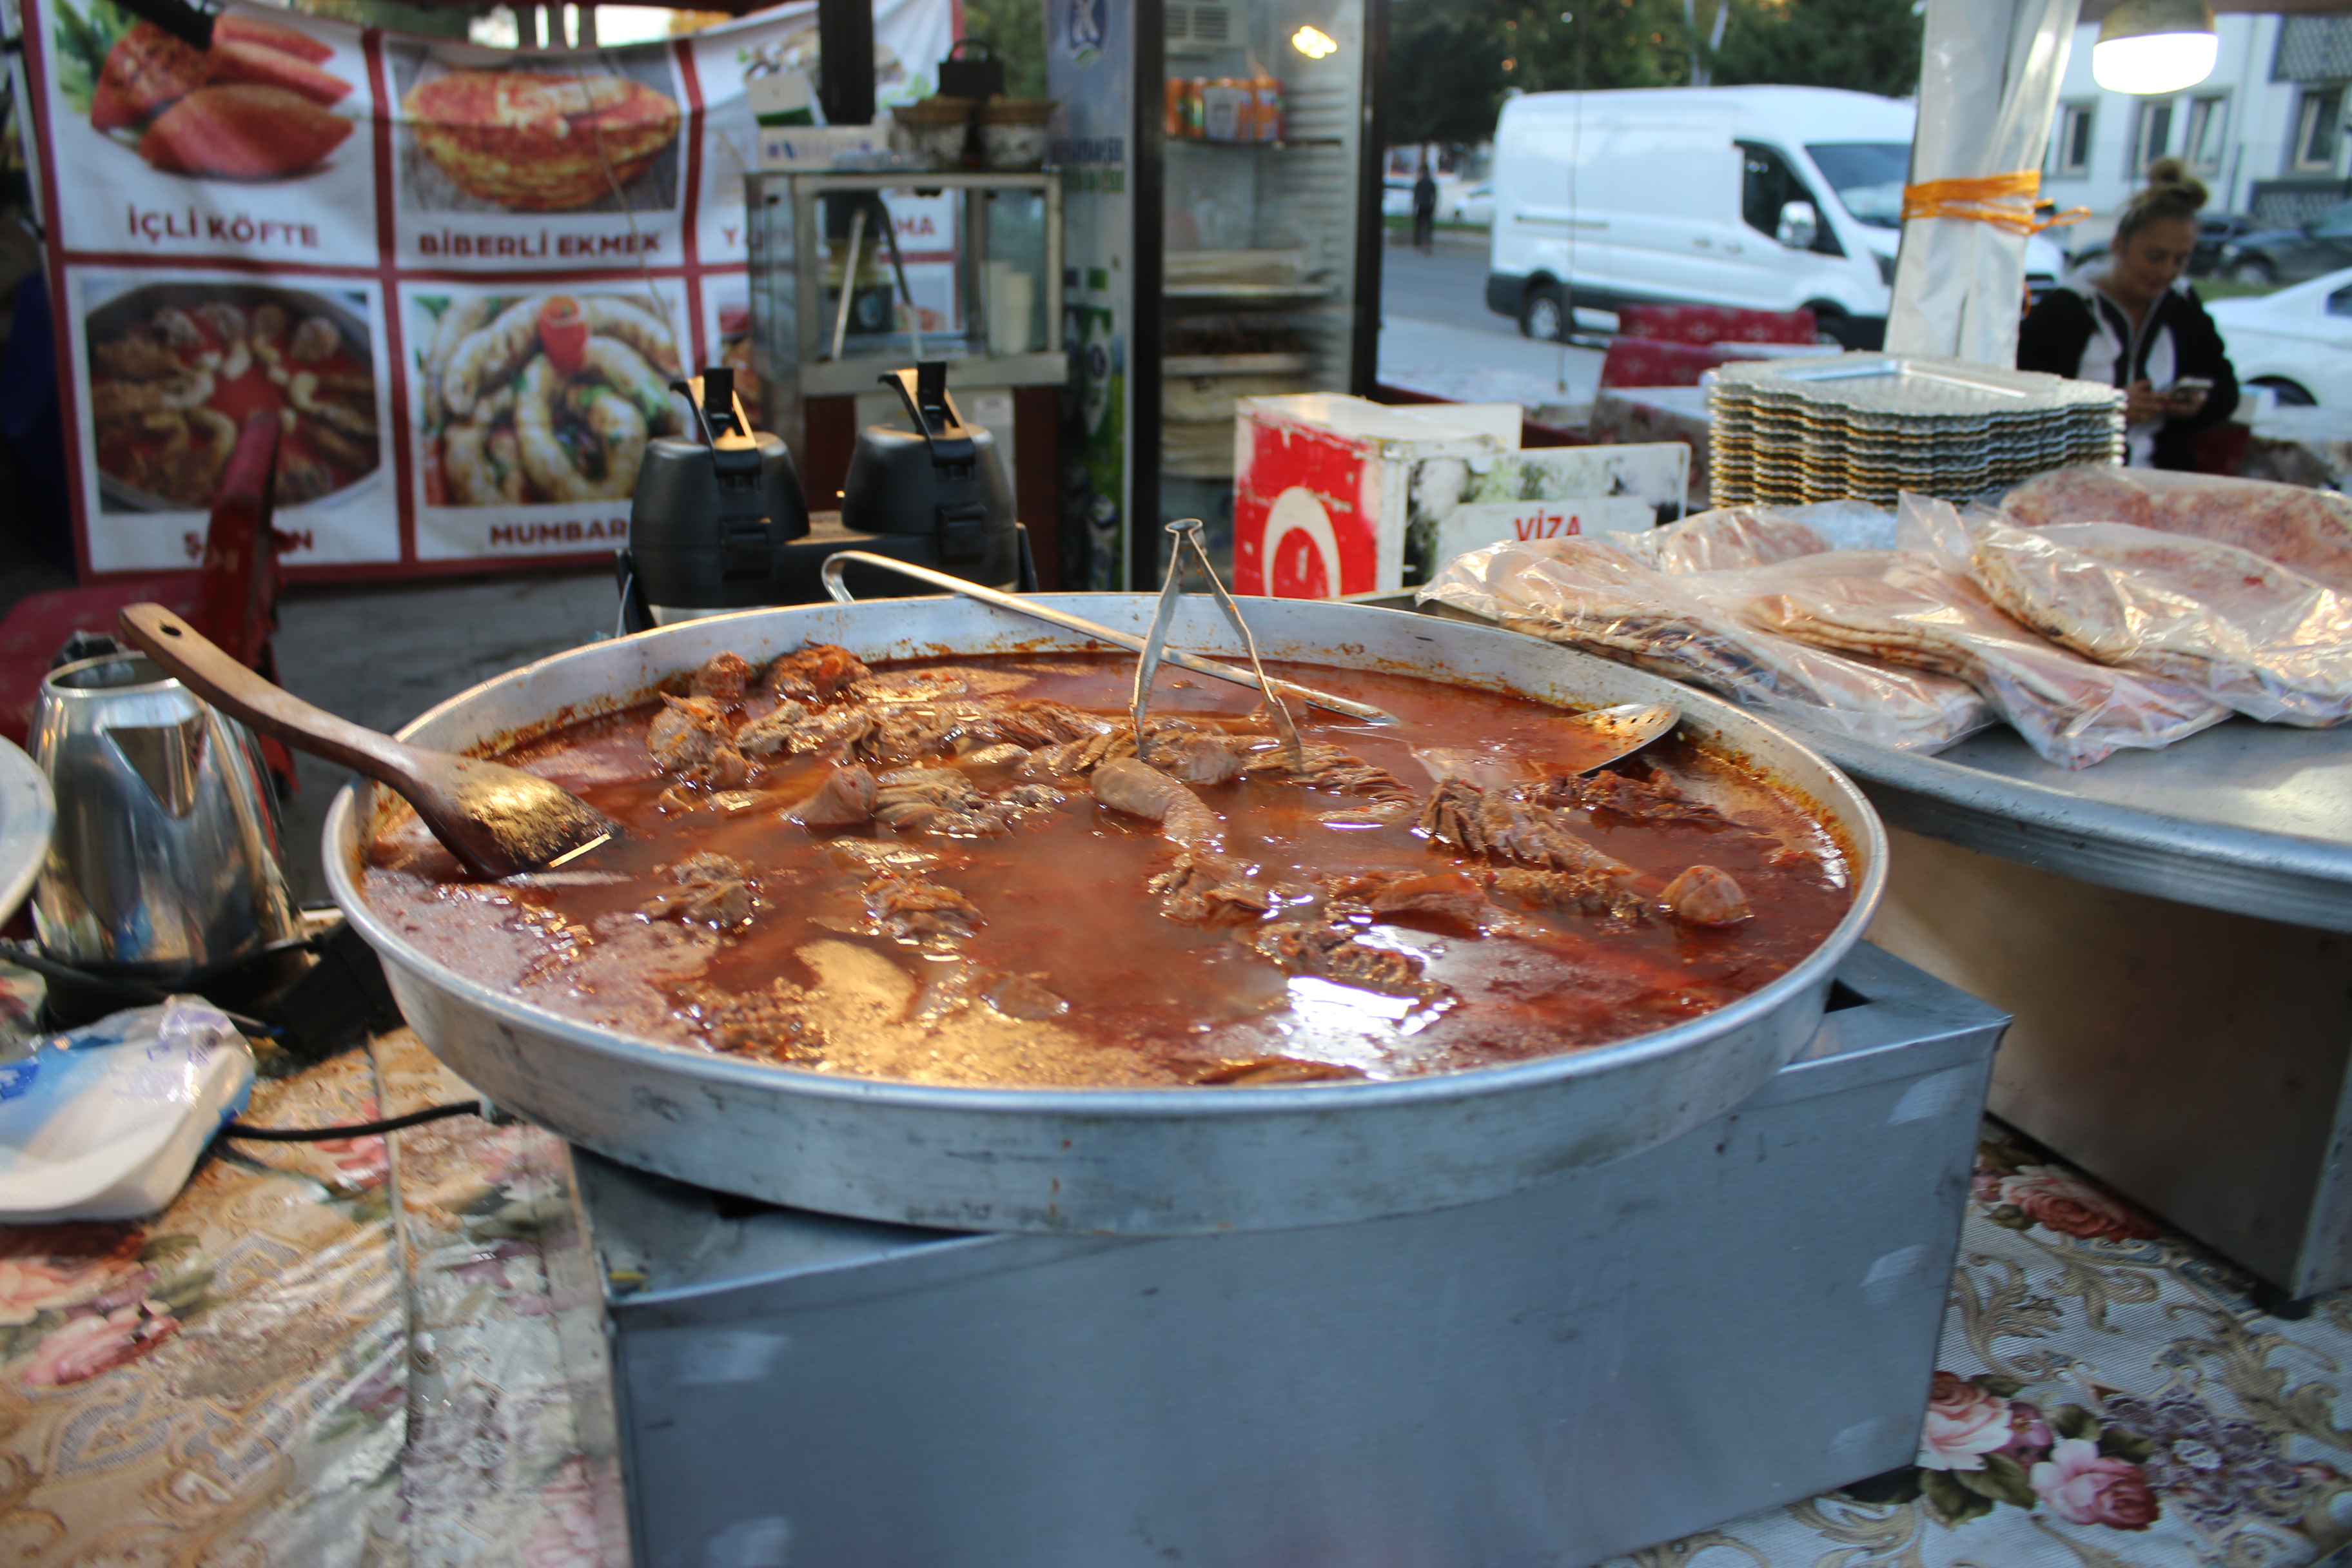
(167, 860)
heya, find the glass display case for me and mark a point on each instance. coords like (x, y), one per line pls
(1260, 217)
(1221, 158)
(900, 266)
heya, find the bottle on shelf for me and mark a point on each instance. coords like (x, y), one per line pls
(1265, 95)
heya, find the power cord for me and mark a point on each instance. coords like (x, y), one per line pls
(116, 992)
(480, 1107)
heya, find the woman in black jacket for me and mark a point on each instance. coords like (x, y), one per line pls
(2138, 325)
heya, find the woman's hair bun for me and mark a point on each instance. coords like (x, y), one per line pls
(2172, 175)
(2171, 192)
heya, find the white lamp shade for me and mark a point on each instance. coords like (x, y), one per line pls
(2153, 62)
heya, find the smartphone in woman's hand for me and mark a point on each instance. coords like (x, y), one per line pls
(2187, 396)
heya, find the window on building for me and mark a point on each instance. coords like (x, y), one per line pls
(2151, 137)
(2318, 127)
(2070, 151)
(2209, 123)
(1767, 184)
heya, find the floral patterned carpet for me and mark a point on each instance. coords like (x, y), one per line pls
(370, 1352)
(2107, 1395)
(347, 1353)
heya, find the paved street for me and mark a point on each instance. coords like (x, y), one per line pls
(1438, 337)
(1448, 286)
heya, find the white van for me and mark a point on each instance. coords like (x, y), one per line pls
(1767, 197)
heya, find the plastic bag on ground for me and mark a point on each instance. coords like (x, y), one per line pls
(2269, 642)
(2308, 532)
(1908, 609)
(1587, 594)
(106, 1122)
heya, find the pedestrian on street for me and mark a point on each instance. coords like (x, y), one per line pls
(1424, 210)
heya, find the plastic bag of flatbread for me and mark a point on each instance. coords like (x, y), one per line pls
(1591, 594)
(1735, 538)
(2305, 530)
(1910, 609)
(2267, 641)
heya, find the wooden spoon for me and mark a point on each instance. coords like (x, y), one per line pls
(496, 819)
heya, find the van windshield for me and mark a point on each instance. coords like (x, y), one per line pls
(1867, 177)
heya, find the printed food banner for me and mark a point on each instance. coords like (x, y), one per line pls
(465, 276)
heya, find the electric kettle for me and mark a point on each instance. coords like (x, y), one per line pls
(934, 492)
(712, 509)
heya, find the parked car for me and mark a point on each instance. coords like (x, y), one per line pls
(2291, 255)
(1473, 202)
(1396, 197)
(2214, 231)
(2297, 342)
(1768, 197)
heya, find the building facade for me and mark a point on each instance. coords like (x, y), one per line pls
(2266, 130)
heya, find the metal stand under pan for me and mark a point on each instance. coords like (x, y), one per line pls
(2172, 930)
(1739, 1318)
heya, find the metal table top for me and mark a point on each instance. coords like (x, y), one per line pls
(2255, 818)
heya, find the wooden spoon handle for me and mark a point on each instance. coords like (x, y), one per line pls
(206, 668)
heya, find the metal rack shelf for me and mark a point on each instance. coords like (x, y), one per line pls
(1288, 144)
(1249, 294)
(811, 241)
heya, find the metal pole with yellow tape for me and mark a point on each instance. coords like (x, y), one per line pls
(1989, 82)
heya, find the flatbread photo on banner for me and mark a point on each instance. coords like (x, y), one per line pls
(527, 134)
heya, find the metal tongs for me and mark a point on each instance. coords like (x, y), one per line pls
(840, 561)
(1187, 533)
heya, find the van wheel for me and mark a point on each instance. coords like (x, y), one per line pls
(2290, 394)
(1830, 324)
(1543, 314)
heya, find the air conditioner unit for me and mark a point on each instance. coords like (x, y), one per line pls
(1201, 27)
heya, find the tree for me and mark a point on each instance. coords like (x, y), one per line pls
(1451, 62)
(1016, 30)
(1870, 46)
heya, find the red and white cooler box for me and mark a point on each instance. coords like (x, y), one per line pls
(1331, 494)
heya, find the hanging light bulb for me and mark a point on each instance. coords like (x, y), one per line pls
(2154, 46)
(1314, 43)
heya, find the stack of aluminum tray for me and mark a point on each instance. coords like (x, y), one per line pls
(1867, 425)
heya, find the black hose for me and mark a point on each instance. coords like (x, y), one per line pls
(355, 1129)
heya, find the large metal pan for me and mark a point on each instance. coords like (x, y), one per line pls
(1114, 1161)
